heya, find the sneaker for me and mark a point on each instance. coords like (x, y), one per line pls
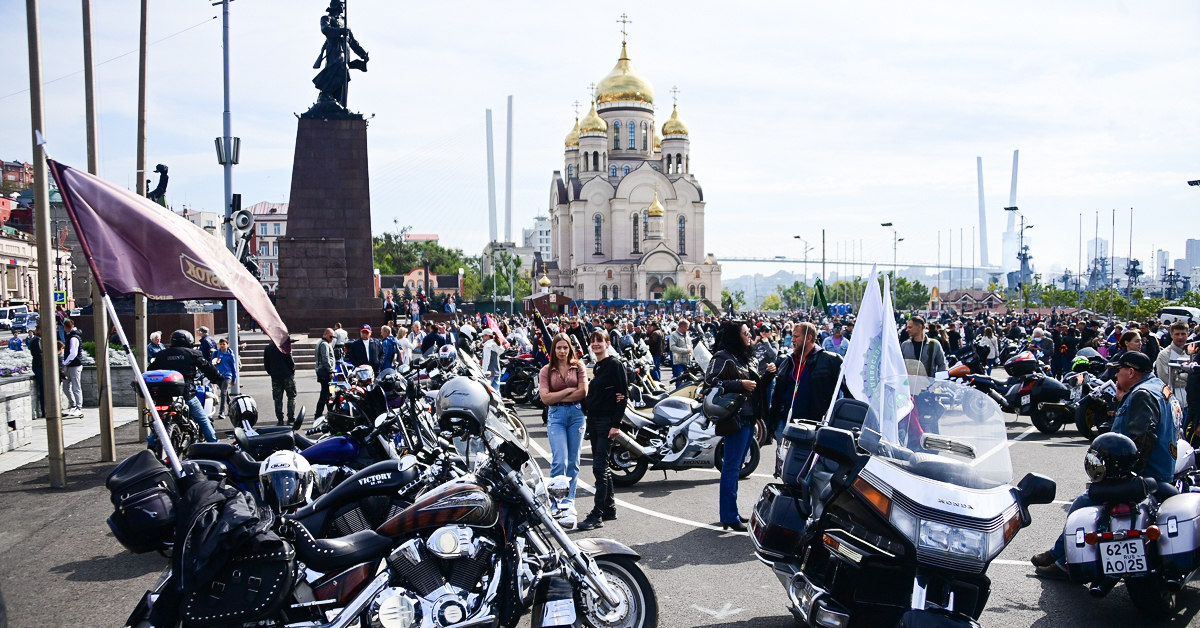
(609, 515)
(592, 522)
(1052, 572)
(1045, 559)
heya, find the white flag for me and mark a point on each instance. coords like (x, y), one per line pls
(874, 368)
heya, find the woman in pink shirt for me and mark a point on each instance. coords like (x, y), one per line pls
(563, 385)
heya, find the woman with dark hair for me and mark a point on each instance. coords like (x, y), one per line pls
(604, 406)
(989, 340)
(735, 369)
(562, 386)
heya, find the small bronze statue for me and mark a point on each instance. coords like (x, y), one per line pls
(159, 193)
(334, 79)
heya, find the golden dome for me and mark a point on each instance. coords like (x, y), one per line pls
(656, 208)
(624, 84)
(573, 136)
(658, 138)
(674, 126)
(544, 282)
(593, 123)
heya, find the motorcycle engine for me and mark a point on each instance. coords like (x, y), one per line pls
(441, 579)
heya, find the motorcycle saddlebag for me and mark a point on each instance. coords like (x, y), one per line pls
(252, 586)
(143, 494)
(1022, 364)
(1179, 545)
(795, 450)
(778, 521)
(1083, 560)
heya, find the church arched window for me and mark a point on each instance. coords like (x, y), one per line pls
(692, 289)
(608, 274)
(645, 221)
(645, 136)
(604, 293)
(702, 295)
(626, 170)
(668, 163)
(637, 236)
(632, 135)
(595, 160)
(683, 235)
(612, 170)
(598, 222)
(617, 134)
(616, 292)
(570, 170)
(678, 162)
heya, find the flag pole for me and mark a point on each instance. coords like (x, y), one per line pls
(159, 429)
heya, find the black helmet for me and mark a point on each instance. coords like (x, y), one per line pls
(392, 382)
(243, 409)
(1111, 456)
(463, 405)
(719, 405)
(182, 338)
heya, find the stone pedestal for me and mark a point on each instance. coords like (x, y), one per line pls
(16, 412)
(326, 266)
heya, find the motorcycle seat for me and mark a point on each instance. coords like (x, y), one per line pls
(237, 461)
(263, 445)
(651, 400)
(334, 555)
(1129, 490)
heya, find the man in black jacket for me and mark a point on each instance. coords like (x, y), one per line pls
(805, 385)
(182, 357)
(365, 350)
(282, 369)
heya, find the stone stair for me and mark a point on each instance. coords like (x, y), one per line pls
(304, 352)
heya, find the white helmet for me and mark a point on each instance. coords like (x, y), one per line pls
(285, 481)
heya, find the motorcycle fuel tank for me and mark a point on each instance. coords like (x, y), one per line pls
(334, 450)
(673, 410)
(455, 503)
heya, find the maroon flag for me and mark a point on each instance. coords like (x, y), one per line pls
(135, 246)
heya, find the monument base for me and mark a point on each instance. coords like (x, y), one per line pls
(326, 263)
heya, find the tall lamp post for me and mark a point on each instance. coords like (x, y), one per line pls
(896, 240)
(807, 248)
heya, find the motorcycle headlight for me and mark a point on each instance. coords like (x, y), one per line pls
(948, 539)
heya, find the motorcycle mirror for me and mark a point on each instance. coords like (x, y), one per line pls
(836, 445)
(299, 419)
(1036, 488)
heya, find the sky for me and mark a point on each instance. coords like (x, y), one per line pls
(803, 116)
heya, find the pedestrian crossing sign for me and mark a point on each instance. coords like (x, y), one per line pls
(60, 297)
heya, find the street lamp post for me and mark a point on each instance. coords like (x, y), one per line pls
(807, 248)
(895, 246)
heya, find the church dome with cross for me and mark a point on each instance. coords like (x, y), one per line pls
(626, 210)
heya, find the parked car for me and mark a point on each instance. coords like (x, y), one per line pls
(1169, 315)
(10, 313)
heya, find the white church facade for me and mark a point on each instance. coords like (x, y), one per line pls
(626, 211)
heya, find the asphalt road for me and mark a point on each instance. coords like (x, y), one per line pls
(60, 566)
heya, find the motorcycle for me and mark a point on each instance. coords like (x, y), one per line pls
(888, 524)
(167, 394)
(519, 380)
(1128, 535)
(673, 435)
(480, 551)
(1028, 391)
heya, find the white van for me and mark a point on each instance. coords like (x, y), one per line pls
(1181, 313)
(7, 314)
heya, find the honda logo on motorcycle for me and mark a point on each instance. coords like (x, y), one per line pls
(955, 504)
(198, 273)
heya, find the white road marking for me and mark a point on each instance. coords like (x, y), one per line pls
(1022, 435)
(1012, 563)
(726, 611)
(634, 507)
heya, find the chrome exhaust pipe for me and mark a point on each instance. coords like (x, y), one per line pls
(632, 446)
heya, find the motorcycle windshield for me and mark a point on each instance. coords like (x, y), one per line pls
(952, 433)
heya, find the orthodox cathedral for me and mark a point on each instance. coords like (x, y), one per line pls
(626, 212)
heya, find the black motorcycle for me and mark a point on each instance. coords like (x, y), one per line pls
(1028, 391)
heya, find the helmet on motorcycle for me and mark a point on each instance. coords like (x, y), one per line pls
(243, 411)
(1080, 365)
(462, 406)
(182, 338)
(364, 374)
(446, 357)
(719, 405)
(1111, 456)
(286, 480)
(392, 382)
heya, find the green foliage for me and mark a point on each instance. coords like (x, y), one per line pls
(793, 297)
(1189, 299)
(732, 300)
(1145, 308)
(1106, 301)
(394, 256)
(675, 293)
(771, 303)
(910, 295)
(847, 291)
(507, 268)
(1057, 297)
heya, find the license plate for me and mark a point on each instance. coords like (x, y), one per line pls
(1120, 557)
(1025, 399)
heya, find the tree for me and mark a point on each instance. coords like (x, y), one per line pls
(1189, 299)
(393, 255)
(674, 293)
(506, 279)
(732, 301)
(771, 303)
(1106, 301)
(792, 297)
(1057, 297)
(910, 295)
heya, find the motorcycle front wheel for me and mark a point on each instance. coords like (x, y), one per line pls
(519, 387)
(638, 607)
(977, 406)
(627, 469)
(1046, 422)
(749, 462)
(1089, 417)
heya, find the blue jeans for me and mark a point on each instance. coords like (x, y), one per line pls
(1060, 553)
(736, 445)
(677, 370)
(657, 372)
(200, 417)
(564, 428)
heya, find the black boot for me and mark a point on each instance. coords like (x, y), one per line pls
(593, 521)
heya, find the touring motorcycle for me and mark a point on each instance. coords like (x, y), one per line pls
(889, 524)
